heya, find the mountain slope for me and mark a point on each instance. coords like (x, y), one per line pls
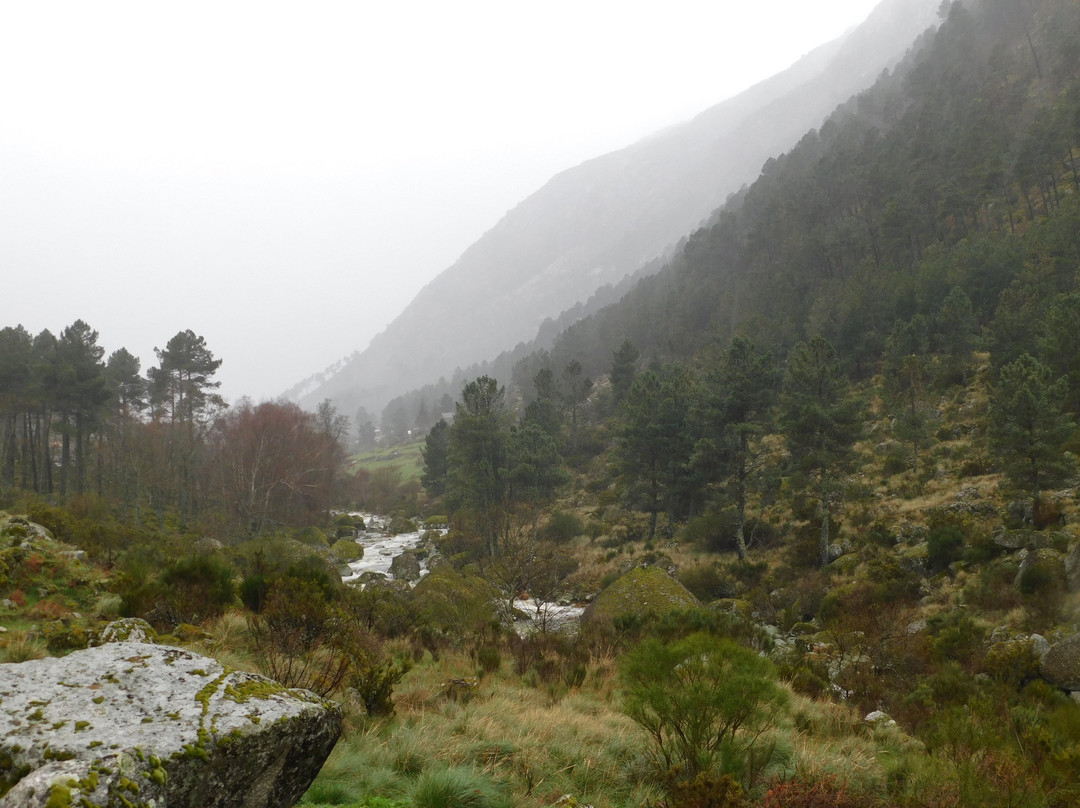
(601, 221)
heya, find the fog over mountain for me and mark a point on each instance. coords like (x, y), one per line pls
(603, 220)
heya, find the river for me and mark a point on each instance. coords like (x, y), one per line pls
(381, 549)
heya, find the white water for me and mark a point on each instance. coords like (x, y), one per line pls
(380, 550)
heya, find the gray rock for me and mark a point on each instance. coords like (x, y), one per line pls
(150, 725)
(406, 567)
(1017, 539)
(1060, 665)
(128, 629)
(1072, 568)
(915, 559)
(1039, 644)
(877, 717)
(837, 550)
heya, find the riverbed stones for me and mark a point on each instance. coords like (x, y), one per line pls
(134, 724)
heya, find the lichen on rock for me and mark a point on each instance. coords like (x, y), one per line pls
(133, 724)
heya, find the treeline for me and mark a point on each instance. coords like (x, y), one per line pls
(161, 447)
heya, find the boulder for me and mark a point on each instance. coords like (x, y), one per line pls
(129, 723)
(1060, 665)
(128, 629)
(1023, 538)
(641, 591)
(1072, 568)
(405, 567)
(1046, 564)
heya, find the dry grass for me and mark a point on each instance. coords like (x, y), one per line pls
(542, 745)
(18, 646)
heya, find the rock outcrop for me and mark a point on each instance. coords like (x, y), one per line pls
(135, 724)
(1061, 664)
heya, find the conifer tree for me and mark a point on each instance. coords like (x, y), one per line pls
(1028, 428)
(821, 423)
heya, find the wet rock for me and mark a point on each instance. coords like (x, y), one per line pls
(406, 567)
(136, 724)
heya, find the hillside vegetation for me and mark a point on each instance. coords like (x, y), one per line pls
(816, 481)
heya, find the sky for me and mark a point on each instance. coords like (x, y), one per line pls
(283, 178)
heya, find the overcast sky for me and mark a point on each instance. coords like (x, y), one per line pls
(283, 178)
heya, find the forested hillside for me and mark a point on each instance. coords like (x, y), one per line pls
(952, 172)
(809, 492)
(602, 221)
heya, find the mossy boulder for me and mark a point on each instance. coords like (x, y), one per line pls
(743, 609)
(641, 591)
(346, 550)
(130, 723)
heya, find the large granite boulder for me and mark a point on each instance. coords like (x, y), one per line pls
(641, 591)
(134, 724)
(1061, 664)
(406, 567)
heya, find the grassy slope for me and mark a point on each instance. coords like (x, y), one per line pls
(405, 457)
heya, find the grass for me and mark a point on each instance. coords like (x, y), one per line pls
(515, 743)
(519, 743)
(405, 457)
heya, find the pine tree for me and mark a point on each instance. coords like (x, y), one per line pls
(1028, 428)
(821, 423)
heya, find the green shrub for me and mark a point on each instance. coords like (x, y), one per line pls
(562, 526)
(706, 790)
(195, 588)
(488, 658)
(706, 581)
(944, 546)
(313, 569)
(253, 591)
(374, 680)
(693, 697)
(458, 787)
(1012, 661)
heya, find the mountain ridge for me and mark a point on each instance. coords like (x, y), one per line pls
(605, 219)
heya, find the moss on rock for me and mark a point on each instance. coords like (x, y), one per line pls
(641, 591)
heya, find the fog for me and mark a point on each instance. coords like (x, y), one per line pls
(282, 180)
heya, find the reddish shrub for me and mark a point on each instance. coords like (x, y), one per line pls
(49, 610)
(18, 598)
(823, 794)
